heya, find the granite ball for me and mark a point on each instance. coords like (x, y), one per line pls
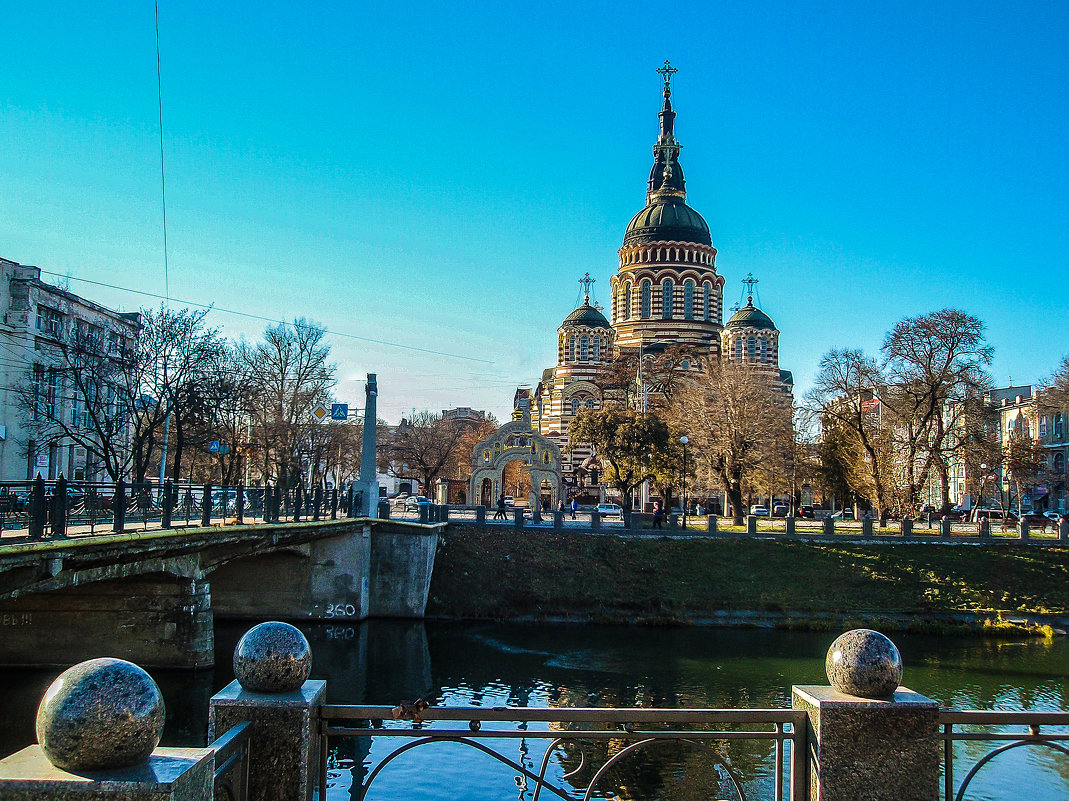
(272, 658)
(864, 663)
(99, 715)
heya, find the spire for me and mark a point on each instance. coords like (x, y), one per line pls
(666, 177)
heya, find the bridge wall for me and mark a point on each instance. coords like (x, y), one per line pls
(155, 621)
(401, 564)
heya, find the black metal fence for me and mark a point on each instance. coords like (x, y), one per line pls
(40, 509)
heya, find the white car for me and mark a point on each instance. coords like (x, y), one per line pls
(1055, 516)
(609, 509)
(760, 511)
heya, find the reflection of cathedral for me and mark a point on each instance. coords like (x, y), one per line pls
(666, 291)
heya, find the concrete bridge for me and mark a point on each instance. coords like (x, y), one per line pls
(150, 597)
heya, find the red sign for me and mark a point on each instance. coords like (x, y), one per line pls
(869, 405)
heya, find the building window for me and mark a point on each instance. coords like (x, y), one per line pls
(49, 321)
(688, 299)
(647, 298)
(667, 298)
(589, 404)
(1059, 463)
(707, 291)
(1043, 426)
(1059, 425)
(627, 302)
(584, 348)
(738, 349)
(751, 349)
(597, 349)
(764, 349)
(571, 349)
(575, 406)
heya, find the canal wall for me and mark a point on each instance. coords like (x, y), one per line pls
(506, 574)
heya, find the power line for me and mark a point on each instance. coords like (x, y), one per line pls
(251, 316)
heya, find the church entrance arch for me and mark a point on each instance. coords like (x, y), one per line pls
(516, 442)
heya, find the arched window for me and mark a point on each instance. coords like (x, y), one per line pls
(1059, 463)
(751, 349)
(647, 298)
(584, 348)
(688, 299)
(589, 404)
(575, 406)
(764, 349)
(571, 349)
(707, 291)
(685, 364)
(596, 349)
(1059, 425)
(738, 349)
(667, 295)
(627, 302)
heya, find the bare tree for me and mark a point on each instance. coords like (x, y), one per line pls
(428, 444)
(739, 418)
(289, 374)
(662, 373)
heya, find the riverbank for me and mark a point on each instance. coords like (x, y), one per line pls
(501, 574)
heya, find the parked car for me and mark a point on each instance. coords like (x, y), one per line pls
(760, 511)
(609, 510)
(954, 514)
(509, 500)
(413, 502)
(990, 513)
(843, 514)
(780, 510)
(805, 510)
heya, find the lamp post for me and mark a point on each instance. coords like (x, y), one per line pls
(980, 492)
(684, 440)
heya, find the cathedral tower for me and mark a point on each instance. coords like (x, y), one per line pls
(666, 290)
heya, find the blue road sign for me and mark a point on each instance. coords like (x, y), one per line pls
(213, 446)
(339, 411)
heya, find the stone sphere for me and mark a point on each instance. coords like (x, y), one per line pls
(98, 715)
(864, 663)
(272, 658)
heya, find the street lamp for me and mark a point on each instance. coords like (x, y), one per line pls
(684, 440)
(980, 492)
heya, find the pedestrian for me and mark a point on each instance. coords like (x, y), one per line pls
(500, 513)
(575, 507)
(698, 510)
(560, 506)
(658, 514)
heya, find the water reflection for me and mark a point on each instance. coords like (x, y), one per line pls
(382, 662)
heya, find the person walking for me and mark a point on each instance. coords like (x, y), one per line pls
(658, 514)
(500, 513)
(575, 507)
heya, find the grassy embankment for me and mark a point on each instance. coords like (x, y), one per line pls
(502, 574)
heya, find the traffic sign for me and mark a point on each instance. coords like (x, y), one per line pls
(870, 405)
(213, 446)
(319, 412)
(339, 411)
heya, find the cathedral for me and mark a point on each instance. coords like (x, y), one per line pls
(666, 291)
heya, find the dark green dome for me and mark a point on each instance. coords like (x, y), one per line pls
(586, 315)
(749, 316)
(667, 219)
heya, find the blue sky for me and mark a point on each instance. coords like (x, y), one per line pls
(440, 175)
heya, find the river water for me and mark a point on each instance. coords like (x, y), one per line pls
(452, 664)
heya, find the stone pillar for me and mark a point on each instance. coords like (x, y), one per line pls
(751, 524)
(829, 527)
(1063, 528)
(673, 520)
(907, 526)
(480, 515)
(517, 517)
(368, 486)
(595, 520)
(710, 524)
(791, 525)
(868, 737)
(870, 748)
(558, 520)
(1023, 528)
(985, 528)
(866, 526)
(944, 528)
(443, 517)
(99, 725)
(271, 663)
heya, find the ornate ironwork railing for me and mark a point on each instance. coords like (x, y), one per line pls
(232, 763)
(996, 727)
(584, 747)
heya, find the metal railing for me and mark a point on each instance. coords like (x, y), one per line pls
(582, 746)
(232, 763)
(1042, 730)
(40, 509)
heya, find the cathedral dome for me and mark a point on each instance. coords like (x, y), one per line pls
(586, 315)
(749, 316)
(667, 218)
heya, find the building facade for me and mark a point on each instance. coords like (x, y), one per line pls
(39, 394)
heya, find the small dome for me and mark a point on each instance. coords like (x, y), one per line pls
(667, 219)
(586, 315)
(749, 316)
